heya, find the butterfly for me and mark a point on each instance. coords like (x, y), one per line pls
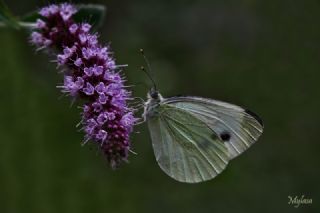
(194, 138)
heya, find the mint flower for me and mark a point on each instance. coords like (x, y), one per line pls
(91, 76)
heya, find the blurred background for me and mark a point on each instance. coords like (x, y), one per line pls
(263, 55)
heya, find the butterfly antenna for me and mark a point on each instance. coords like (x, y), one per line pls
(148, 72)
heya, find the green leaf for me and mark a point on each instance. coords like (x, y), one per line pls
(91, 13)
(6, 17)
(31, 17)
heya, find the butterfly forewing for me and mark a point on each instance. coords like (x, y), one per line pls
(186, 148)
(238, 128)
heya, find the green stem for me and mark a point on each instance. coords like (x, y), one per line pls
(22, 24)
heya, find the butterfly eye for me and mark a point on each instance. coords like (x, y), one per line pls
(225, 136)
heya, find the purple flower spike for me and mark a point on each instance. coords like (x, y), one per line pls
(102, 118)
(87, 52)
(85, 27)
(111, 116)
(79, 82)
(89, 89)
(111, 64)
(114, 78)
(49, 11)
(40, 24)
(97, 107)
(88, 71)
(100, 88)
(83, 38)
(78, 62)
(102, 135)
(91, 126)
(128, 120)
(103, 99)
(92, 40)
(73, 28)
(66, 11)
(91, 75)
(98, 70)
(37, 38)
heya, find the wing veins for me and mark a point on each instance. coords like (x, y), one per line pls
(197, 167)
(218, 119)
(248, 132)
(221, 158)
(192, 114)
(197, 148)
(170, 160)
(171, 132)
(233, 146)
(181, 125)
(255, 126)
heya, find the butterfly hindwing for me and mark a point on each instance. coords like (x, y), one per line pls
(237, 127)
(186, 148)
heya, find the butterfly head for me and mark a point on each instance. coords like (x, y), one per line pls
(151, 105)
(154, 95)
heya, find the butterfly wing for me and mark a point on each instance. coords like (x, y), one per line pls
(186, 148)
(237, 127)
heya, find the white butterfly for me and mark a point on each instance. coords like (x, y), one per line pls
(194, 138)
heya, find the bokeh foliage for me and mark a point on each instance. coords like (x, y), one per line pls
(263, 55)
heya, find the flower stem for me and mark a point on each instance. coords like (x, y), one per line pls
(25, 25)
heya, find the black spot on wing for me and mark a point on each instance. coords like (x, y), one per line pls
(225, 136)
(255, 116)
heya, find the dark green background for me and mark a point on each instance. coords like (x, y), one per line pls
(263, 55)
